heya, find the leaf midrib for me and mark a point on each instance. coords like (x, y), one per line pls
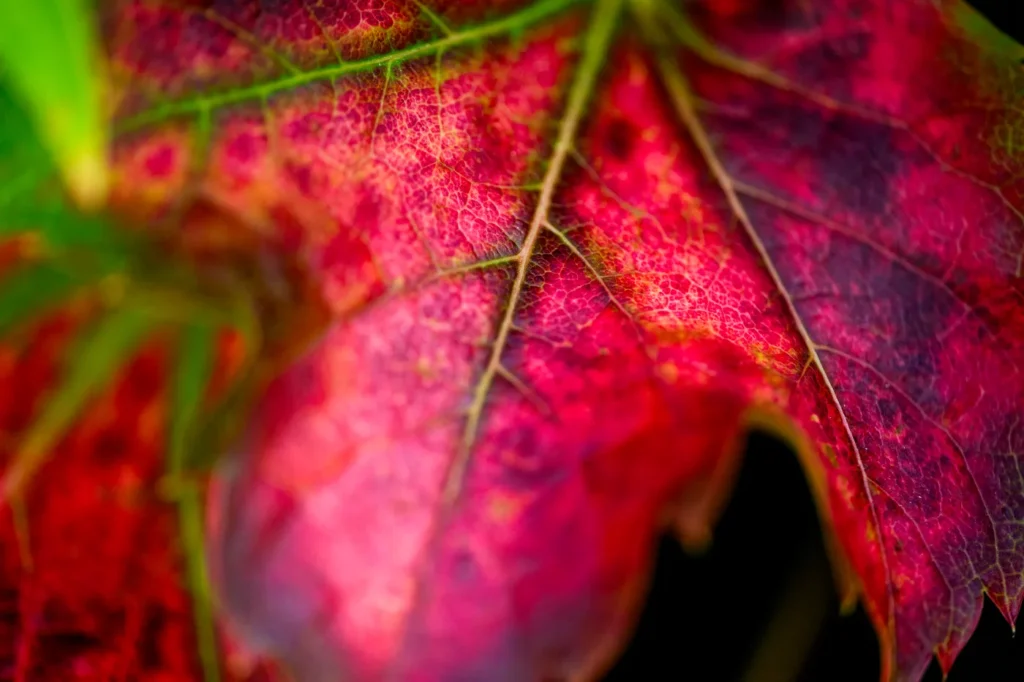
(597, 39)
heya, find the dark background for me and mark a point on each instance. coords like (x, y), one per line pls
(705, 617)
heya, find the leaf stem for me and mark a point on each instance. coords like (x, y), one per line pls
(194, 365)
(190, 522)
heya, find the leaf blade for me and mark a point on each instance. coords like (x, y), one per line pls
(190, 379)
(100, 353)
(31, 291)
(49, 52)
(648, 330)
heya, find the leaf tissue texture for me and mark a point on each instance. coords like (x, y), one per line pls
(572, 252)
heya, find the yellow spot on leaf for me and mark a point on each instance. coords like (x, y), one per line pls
(425, 369)
(668, 371)
(829, 453)
(503, 508)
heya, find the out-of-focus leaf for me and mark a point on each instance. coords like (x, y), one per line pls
(62, 228)
(190, 522)
(23, 160)
(31, 290)
(91, 365)
(191, 377)
(49, 53)
(192, 372)
(225, 421)
(980, 29)
(31, 204)
(144, 288)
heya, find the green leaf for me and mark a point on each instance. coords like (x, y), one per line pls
(49, 53)
(191, 521)
(23, 160)
(191, 375)
(91, 365)
(32, 202)
(31, 290)
(977, 27)
(225, 421)
(64, 228)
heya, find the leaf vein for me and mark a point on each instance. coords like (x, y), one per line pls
(506, 25)
(679, 92)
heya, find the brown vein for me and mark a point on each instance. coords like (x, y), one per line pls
(838, 228)
(679, 92)
(531, 395)
(754, 71)
(323, 30)
(250, 39)
(591, 268)
(950, 628)
(598, 39)
(900, 391)
(761, 74)
(596, 43)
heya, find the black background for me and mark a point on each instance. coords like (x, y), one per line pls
(705, 616)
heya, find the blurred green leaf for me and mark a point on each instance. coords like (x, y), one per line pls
(50, 115)
(65, 229)
(33, 203)
(23, 160)
(191, 376)
(90, 365)
(144, 289)
(224, 421)
(983, 32)
(191, 522)
(50, 56)
(226, 417)
(31, 290)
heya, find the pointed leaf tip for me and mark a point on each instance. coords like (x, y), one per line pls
(50, 56)
(88, 177)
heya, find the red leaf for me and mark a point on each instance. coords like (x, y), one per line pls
(573, 254)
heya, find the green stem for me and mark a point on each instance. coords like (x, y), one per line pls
(190, 522)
